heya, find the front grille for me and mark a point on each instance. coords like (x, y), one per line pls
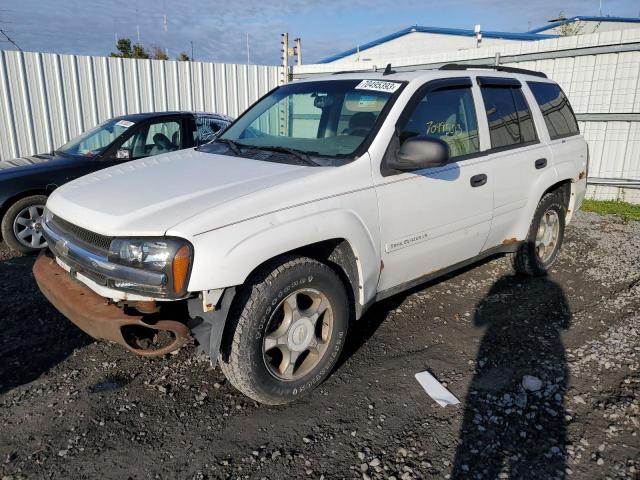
(96, 241)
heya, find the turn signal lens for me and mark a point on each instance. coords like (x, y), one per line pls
(180, 269)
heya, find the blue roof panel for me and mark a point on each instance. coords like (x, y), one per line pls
(528, 36)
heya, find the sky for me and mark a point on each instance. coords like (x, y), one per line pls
(219, 29)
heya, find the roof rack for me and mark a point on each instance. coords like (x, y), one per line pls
(499, 68)
(375, 69)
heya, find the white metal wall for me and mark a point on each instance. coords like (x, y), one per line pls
(599, 83)
(47, 99)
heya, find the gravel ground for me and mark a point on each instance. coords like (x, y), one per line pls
(547, 371)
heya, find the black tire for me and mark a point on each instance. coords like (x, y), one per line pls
(526, 260)
(242, 358)
(7, 226)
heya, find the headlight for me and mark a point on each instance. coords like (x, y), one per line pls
(47, 215)
(170, 256)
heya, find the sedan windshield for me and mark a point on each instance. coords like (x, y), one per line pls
(94, 142)
(325, 118)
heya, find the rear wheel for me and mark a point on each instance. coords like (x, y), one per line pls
(544, 239)
(22, 224)
(286, 332)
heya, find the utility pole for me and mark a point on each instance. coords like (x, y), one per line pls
(298, 50)
(284, 56)
(192, 55)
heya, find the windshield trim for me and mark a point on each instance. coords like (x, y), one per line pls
(366, 143)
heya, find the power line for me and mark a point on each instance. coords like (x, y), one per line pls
(10, 40)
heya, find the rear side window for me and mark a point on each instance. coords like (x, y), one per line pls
(207, 128)
(509, 116)
(557, 113)
(448, 115)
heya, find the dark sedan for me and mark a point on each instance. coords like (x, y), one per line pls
(26, 182)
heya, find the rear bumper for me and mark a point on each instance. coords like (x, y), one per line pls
(100, 319)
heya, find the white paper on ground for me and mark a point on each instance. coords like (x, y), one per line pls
(435, 389)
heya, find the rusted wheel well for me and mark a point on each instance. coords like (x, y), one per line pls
(337, 254)
(563, 188)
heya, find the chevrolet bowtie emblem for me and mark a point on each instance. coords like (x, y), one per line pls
(61, 246)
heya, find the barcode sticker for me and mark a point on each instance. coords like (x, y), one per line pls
(378, 86)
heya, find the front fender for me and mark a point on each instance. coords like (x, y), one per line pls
(225, 257)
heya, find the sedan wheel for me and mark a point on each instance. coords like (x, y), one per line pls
(27, 227)
(21, 225)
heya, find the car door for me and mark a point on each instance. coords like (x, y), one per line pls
(434, 218)
(561, 126)
(517, 155)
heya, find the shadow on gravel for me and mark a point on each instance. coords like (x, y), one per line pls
(514, 416)
(362, 330)
(35, 337)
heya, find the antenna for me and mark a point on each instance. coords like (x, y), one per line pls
(248, 58)
(10, 40)
(137, 24)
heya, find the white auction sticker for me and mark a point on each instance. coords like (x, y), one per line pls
(378, 86)
(125, 123)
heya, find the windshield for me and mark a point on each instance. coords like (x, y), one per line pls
(94, 142)
(326, 118)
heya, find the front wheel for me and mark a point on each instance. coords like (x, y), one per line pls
(544, 239)
(22, 224)
(286, 331)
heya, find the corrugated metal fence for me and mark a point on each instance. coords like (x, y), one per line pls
(46, 99)
(599, 72)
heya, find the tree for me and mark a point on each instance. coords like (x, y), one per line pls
(123, 45)
(568, 29)
(158, 53)
(127, 50)
(183, 57)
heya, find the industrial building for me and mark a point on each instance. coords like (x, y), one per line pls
(421, 40)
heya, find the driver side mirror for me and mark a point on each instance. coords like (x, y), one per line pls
(123, 154)
(420, 152)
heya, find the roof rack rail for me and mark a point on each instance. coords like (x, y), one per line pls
(375, 69)
(500, 68)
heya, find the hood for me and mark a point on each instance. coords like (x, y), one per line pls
(35, 163)
(148, 196)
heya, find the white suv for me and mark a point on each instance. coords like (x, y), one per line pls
(323, 197)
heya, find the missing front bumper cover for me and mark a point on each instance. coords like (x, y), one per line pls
(99, 318)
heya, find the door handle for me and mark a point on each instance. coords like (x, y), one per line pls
(478, 180)
(541, 163)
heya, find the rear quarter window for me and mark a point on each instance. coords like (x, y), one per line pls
(556, 110)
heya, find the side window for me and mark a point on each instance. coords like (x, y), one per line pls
(154, 139)
(207, 128)
(509, 116)
(557, 113)
(448, 115)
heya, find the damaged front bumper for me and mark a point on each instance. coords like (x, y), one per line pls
(102, 319)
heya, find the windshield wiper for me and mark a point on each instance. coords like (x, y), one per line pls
(233, 146)
(292, 151)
